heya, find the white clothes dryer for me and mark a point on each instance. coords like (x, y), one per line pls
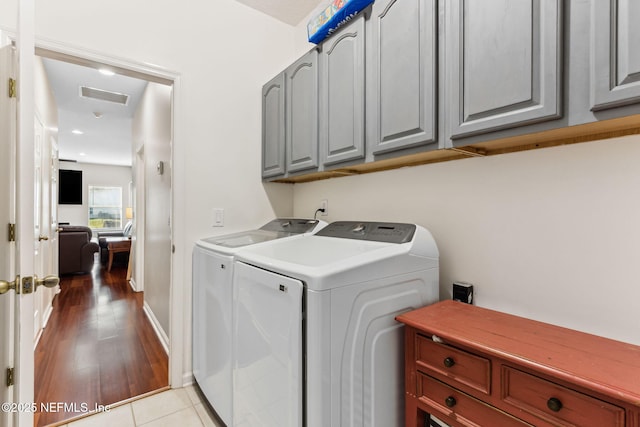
(212, 304)
(316, 343)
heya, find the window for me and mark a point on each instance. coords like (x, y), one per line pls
(105, 207)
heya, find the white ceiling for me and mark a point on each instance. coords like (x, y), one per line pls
(105, 140)
(287, 11)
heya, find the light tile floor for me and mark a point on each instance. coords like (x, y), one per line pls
(179, 407)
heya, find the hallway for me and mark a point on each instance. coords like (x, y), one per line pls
(98, 347)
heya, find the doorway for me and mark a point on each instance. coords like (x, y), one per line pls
(151, 138)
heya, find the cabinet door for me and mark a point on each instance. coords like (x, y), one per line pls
(302, 113)
(402, 95)
(342, 94)
(273, 127)
(503, 63)
(616, 53)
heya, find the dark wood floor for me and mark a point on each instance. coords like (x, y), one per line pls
(98, 347)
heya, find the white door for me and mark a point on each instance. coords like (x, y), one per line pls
(17, 207)
(38, 133)
(267, 349)
(7, 216)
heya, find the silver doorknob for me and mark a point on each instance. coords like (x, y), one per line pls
(41, 238)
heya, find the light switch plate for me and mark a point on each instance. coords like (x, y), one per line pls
(218, 217)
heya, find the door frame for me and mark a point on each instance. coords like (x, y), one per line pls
(67, 53)
(28, 47)
(8, 302)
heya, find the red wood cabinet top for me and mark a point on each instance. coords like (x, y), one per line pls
(604, 365)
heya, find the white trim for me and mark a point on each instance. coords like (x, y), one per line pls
(133, 285)
(151, 72)
(24, 359)
(47, 314)
(40, 330)
(45, 320)
(179, 327)
(187, 379)
(162, 336)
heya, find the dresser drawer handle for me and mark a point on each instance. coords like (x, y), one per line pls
(450, 402)
(554, 404)
(449, 362)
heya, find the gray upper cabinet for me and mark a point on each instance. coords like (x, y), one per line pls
(615, 53)
(402, 60)
(302, 113)
(273, 142)
(503, 62)
(342, 79)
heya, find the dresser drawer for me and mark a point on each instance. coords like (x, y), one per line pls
(555, 403)
(458, 365)
(461, 407)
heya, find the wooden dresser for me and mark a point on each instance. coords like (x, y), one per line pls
(470, 366)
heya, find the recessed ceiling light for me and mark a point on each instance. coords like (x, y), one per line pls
(97, 114)
(77, 132)
(83, 154)
(106, 72)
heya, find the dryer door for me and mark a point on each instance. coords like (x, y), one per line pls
(267, 368)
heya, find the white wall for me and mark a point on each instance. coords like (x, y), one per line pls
(9, 15)
(550, 234)
(94, 175)
(152, 130)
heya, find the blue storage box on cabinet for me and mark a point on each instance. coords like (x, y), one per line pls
(333, 16)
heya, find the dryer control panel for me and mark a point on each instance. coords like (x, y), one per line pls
(388, 232)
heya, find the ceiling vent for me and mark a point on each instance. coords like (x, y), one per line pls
(103, 95)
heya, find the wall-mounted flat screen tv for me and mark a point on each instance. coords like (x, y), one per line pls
(69, 187)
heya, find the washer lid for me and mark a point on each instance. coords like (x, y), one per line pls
(245, 238)
(325, 262)
(276, 229)
(291, 225)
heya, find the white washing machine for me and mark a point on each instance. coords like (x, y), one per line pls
(316, 343)
(212, 304)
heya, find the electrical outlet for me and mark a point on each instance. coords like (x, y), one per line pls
(463, 292)
(324, 204)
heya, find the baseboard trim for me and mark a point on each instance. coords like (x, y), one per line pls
(187, 379)
(47, 315)
(162, 336)
(133, 285)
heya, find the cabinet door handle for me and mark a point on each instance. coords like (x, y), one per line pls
(554, 404)
(449, 362)
(450, 402)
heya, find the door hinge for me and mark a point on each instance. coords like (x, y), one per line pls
(12, 232)
(12, 88)
(9, 377)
